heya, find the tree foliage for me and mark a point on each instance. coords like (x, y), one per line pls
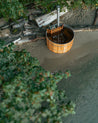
(29, 92)
(13, 9)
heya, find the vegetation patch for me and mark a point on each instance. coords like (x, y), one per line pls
(29, 92)
(13, 9)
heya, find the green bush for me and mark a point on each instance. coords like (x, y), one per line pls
(13, 9)
(28, 92)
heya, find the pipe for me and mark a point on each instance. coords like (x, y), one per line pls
(58, 17)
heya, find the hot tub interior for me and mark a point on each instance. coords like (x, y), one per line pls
(61, 37)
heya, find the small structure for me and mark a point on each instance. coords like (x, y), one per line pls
(59, 37)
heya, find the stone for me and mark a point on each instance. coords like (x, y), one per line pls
(2, 22)
(21, 41)
(34, 12)
(18, 25)
(31, 17)
(4, 33)
(27, 32)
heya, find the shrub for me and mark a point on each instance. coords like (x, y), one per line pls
(13, 9)
(29, 92)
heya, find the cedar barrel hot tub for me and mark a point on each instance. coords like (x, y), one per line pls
(59, 37)
(61, 41)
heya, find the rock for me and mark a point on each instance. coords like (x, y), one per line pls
(31, 17)
(21, 41)
(27, 32)
(4, 33)
(17, 41)
(30, 25)
(18, 25)
(16, 31)
(27, 26)
(2, 22)
(34, 12)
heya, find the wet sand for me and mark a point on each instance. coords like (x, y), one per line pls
(82, 61)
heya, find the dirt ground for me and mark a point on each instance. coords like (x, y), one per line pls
(79, 17)
(82, 61)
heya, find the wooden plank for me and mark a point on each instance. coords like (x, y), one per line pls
(48, 18)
